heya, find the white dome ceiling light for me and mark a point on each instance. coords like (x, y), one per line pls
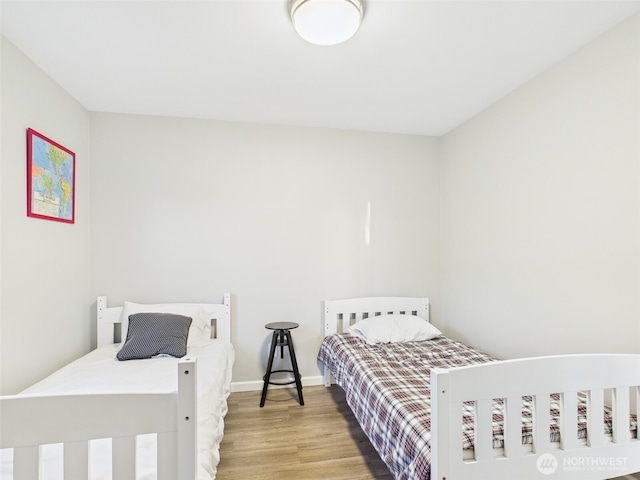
(326, 22)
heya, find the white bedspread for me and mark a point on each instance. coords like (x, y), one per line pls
(100, 372)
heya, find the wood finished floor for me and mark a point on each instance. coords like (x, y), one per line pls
(285, 441)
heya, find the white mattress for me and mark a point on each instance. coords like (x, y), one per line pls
(100, 372)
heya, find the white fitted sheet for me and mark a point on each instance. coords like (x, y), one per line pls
(100, 372)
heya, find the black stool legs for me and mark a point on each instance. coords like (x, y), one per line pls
(294, 365)
(274, 341)
(285, 338)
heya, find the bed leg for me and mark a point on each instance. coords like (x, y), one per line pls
(187, 419)
(440, 442)
(327, 377)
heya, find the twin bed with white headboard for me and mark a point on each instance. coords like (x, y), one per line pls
(154, 416)
(436, 408)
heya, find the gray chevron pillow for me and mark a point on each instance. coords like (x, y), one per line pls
(152, 334)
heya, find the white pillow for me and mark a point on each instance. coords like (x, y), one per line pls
(394, 328)
(199, 331)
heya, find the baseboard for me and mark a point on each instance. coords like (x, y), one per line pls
(257, 385)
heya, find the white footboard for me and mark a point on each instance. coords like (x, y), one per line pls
(600, 457)
(29, 421)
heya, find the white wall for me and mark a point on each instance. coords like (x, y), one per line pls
(522, 225)
(540, 210)
(188, 209)
(45, 265)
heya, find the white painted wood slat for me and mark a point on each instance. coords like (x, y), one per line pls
(26, 463)
(123, 460)
(595, 417)
(568, 420)
(620, 412)
(167, 456)
(513, 426)
(541, 419)
(483, 435)
(76, 460)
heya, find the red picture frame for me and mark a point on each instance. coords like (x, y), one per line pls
(51, 182)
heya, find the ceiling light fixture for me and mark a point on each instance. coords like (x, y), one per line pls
(326, 22)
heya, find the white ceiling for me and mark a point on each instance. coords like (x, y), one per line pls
(415, 66)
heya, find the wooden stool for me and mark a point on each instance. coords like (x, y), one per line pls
(281, 337)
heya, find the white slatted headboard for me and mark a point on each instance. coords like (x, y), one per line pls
(339, 315)
(109, 317)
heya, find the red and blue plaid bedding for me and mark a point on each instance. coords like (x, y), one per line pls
(388, 388)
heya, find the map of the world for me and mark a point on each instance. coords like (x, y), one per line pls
(52, 176)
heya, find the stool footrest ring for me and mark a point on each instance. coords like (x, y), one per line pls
(282, 382)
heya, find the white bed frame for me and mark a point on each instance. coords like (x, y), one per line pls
(599, 375)
(29, 421)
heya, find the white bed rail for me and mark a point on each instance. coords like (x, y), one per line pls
(30, 421)
(601, 457)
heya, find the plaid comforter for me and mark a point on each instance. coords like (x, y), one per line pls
(388, 388)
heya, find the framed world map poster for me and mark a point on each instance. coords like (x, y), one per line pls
(51, 170)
